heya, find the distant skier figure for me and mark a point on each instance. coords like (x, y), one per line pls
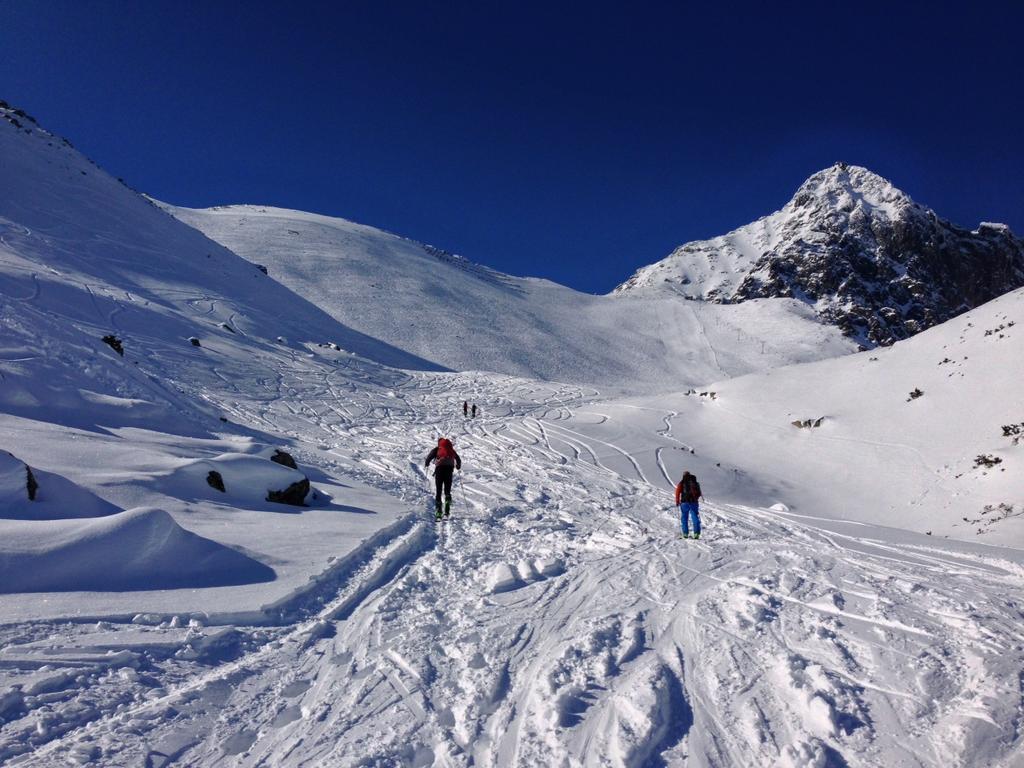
(687, 495)
(447, 461)
(474, 410)
(465, 407)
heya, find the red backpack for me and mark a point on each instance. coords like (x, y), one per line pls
(445, 449)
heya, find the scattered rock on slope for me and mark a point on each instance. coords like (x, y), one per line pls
(294, 494)
(114, 343)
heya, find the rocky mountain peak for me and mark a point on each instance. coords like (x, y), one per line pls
(843, 187)
(861, 252)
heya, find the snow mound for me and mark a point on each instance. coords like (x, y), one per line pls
(246, 479)
(506, 577)
(52, 497)
(15, 480)
(140, 549)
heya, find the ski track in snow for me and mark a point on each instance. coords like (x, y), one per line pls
(558, 620)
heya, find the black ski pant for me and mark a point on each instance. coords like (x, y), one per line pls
(443, 480)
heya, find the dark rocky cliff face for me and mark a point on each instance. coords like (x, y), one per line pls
(886, 279)
(870, 259)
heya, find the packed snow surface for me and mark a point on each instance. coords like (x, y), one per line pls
(557, 618)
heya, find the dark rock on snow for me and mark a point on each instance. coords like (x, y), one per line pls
(284, 459)
(215, 481)
(294, 494)
(808, 423)
(16, 479)
(30, 483)
(114, 343)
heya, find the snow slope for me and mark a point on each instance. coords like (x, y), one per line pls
(109, 425)
(138, 549)
(939, 462)
(556, 619)
(53, 497)
(466, 317)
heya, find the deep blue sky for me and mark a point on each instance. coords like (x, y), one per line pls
(571, 141)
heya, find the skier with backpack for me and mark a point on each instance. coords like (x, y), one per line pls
(687, 495)
(446, 462)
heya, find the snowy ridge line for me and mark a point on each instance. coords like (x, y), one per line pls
(377, 569)
(563, 336)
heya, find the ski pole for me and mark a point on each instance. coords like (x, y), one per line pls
(463, 488)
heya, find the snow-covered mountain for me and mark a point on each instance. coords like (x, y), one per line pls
(85, 257)
(861, 252)
(216, 533)
(463, 316)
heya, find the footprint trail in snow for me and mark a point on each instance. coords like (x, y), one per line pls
(558, 620)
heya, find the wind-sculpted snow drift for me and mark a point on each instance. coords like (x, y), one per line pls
(133, 550)
(556, 619)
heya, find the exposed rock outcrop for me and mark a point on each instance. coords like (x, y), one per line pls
(294, 494)
(284, 459)
(16, 479)
(867, 257)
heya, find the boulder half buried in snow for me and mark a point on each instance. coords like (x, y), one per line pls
(295, 494)
(141, 549)
(32, 494)
(17, 483)
(283, 458)
(243, 478)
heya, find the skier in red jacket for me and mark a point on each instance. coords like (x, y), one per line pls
(687, 495)
(446, 462)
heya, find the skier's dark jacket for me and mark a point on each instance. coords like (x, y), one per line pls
(450, 461)
(688, 489)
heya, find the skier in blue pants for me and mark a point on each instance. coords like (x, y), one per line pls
(687, 497)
